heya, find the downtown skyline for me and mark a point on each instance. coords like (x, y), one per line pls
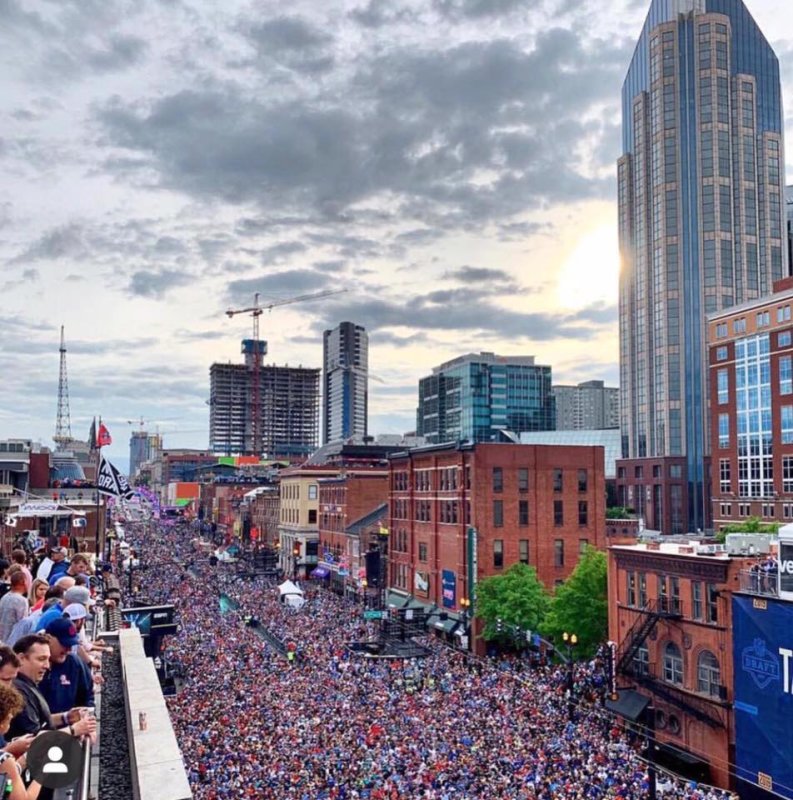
(452, 164)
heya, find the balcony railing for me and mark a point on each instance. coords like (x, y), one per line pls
(760, 583)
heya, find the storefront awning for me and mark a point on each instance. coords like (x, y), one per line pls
(628, 704)
(445, 625)
(320, 572)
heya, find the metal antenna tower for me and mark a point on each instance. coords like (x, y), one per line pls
(63, 425)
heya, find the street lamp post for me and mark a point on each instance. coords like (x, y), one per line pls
(465, 604)
(295, 556)
(570, 640)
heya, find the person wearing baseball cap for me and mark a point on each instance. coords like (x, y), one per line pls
(54, 566)
(68, 684)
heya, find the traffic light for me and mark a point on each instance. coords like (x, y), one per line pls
(296, 550)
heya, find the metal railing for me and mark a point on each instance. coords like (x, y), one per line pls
(759, 582)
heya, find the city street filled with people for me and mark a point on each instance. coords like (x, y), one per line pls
(327, 724)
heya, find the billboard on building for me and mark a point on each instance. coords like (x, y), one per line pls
(763, 668)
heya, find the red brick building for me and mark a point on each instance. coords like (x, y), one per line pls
(670, 609)
(264, 503)
(343, 500)
(750, 366)
(656, 489)
(536, 504)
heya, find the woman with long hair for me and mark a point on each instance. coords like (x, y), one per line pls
(37, 592)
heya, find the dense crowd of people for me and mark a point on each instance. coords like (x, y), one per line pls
(48, 665)
(327, 725)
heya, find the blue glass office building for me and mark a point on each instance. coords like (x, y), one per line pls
(485, 398)
(701, 215)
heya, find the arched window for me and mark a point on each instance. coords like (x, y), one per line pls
(708, 674)
(673, 664)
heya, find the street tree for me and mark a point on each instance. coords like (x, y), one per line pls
(580, 605)
(517, 598)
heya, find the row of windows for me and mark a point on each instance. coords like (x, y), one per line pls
(783, 314)
(498, 551)
(291, 491)
(675, 471)
(708, 668)
(704, 596)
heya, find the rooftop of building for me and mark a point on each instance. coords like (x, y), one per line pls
(485, 358)
(607, 438)
(782, 290)
(349, 450)
(586, 385)
(468, 445)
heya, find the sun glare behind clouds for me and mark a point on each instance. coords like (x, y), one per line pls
(590, 273)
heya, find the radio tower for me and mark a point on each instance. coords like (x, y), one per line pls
(63, 425)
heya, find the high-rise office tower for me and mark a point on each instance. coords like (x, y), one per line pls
(590, 405)
(485, 398)
(345, 363)
(701, 223)
(789, 198)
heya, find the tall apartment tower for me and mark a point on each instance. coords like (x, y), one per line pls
(289, 409)
(485, 398)
(345, 363)
(590, 406)
(701, 226)
(143, 446)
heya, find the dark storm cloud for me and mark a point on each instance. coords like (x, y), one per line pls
(438, 311)
(278, 253)
(66, 241)
(417, 126)
(474, 9)
(292, 42)
(478, 275)
(150, 283)
(271, 285)
(121, 52)
(377, 13)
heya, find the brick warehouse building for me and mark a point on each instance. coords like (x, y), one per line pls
(343, 500)
(536, 504)
(670, 614)
(751, 401)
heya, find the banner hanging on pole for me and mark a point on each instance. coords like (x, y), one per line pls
(111, 482)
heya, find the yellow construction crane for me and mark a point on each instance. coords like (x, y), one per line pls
(258, 352)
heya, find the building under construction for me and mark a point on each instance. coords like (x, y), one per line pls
(288, 404)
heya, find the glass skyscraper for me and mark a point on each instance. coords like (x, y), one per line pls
(478, 396)
(701, 221)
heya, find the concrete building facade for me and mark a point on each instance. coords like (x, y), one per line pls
(345, 378)
(701, 217)
(590, 405)
(288, 405)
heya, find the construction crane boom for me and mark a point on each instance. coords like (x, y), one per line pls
(256, 310)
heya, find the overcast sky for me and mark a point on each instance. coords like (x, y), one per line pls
(448, 162)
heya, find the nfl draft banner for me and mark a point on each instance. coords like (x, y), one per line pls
(111, 482)
(763, 668)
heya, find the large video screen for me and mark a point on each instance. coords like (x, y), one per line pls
(157, 620)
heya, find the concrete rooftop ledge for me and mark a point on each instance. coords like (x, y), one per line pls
(158, 771)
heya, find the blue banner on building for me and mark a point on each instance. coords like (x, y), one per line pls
(763, 666)
(449, 585)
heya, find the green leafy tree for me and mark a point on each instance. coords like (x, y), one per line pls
(580, 605)
(619, 512)
(517, 598)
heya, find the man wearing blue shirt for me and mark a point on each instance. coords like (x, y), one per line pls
(68, 684)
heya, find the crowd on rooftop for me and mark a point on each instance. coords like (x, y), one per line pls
(48, 665)
(328, 725)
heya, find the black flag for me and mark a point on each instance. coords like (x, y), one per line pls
(111, 482)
